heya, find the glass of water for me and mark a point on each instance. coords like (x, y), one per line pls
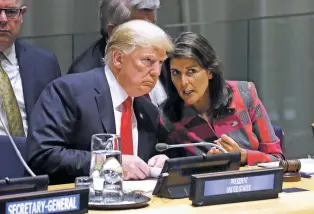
(106, 169)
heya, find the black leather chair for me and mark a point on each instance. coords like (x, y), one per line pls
(280, 134)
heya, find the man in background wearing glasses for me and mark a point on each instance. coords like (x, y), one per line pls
(24, 70)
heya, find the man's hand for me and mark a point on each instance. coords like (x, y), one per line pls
(134, 168)
(157, 161)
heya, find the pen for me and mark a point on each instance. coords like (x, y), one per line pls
(305, 175)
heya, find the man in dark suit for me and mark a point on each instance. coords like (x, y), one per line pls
(104, 100)
(24, 70)
(112, 14)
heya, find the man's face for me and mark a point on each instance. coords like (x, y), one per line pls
(11, 20)
(138, 71)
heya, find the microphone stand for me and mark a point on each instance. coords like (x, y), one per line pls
(17, 151)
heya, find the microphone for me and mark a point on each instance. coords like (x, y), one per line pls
(163, 146)
(17, 151)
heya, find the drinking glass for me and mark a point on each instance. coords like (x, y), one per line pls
(106, 169)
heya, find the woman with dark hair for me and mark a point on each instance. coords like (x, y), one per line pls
(202, 106)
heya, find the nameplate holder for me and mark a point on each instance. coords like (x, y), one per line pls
(73, 200)
(235, 186)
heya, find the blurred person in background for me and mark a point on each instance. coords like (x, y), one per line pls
(24, 70)
(202, 106)
(112, 14)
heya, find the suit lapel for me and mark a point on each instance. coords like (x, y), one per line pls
(105, 109)
(104, 101)
(141, 124)
(27, 74)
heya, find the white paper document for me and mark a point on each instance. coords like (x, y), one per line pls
(142, 185)
(155, 172)
(147, 185)
(269, 164)
(307, 166)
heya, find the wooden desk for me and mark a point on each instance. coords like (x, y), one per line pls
(299, 202)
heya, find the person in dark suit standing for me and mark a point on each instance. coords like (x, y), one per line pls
(104, 100)
(24, 70)
(112, 14)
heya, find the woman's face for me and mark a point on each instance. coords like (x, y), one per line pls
(190, 79)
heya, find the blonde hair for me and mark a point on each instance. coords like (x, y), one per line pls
(137, 33)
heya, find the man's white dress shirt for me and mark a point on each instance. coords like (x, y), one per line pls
(118, 96)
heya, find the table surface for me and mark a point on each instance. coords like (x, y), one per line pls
(297, 202)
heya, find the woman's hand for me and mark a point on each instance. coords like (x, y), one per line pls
(215, 150)
(230, 145)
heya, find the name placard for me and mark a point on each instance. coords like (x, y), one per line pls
(235, 186)
(238, 185)
(45, 205)
(60, 201)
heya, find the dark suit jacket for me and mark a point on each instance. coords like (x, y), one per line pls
(37, 68)
(92, 58)
(69, 111)
(89, 59)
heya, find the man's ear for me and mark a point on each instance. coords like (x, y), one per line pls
(24, 10)
(110, 28)
(117, 58)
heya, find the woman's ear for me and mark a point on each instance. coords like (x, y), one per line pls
(210, 75)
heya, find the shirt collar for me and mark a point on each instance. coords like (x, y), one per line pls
(10, 54)
(188, 113)
(118, 94)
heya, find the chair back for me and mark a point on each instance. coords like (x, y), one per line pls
(10, 164)
(279, 133)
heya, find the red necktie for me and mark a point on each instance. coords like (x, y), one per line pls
(126, 128)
